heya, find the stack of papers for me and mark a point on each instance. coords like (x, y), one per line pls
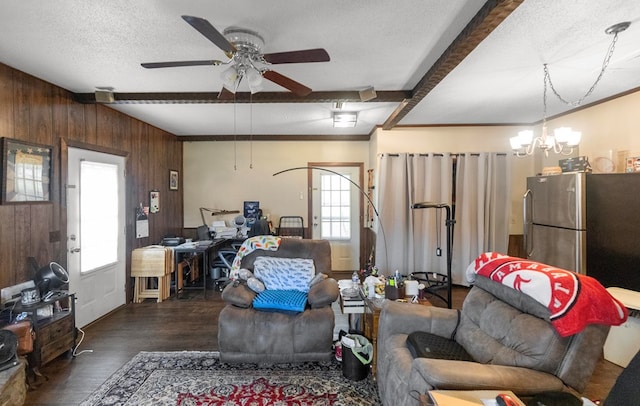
(225, 232)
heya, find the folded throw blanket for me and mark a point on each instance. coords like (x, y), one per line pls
(259, 242)
(574, 300)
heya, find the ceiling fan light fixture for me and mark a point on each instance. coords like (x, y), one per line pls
(345, 119)
(243, 38)
(229, 78)
(254, 80)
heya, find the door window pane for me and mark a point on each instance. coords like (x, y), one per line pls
(335, 213)
(98, 215)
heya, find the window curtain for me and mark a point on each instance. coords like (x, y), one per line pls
(393, 237)
(482, 210)
(408, 239)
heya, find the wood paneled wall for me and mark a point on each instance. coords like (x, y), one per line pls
(36, 111)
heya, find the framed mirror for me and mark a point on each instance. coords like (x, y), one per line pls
(26, 172)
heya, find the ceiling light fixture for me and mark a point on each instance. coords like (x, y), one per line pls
(245, 62)
(345, 119)
(564, 139)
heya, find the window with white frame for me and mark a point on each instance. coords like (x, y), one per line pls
(98, 215)
(335, 207)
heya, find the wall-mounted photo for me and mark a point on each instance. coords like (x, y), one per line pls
(173, 180)
(26, 172)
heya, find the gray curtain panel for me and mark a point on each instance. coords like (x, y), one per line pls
(408, 239)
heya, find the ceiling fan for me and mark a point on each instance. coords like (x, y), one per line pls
(246, 60)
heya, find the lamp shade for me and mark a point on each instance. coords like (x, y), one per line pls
(254, 79)
(229, 79)
(50, 277)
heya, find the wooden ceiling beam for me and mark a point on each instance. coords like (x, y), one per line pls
(392, 96)
(276, 137)
(490, 16)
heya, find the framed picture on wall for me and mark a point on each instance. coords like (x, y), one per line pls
(26, 172)
(173, 180)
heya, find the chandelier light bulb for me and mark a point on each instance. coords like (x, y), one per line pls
(574, 138)
(525, 137)
(562, 134)
(515, 143)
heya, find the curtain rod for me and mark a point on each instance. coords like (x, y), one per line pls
(441, 154)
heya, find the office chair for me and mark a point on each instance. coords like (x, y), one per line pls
(223, 261)
(203, 233)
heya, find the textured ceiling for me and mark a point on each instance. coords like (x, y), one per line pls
(82, 45)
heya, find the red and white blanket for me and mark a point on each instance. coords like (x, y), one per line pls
(574, 300)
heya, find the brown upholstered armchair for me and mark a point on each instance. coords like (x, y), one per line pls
(508, 334)
(249, 335)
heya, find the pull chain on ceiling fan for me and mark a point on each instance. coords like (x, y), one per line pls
(243, 47)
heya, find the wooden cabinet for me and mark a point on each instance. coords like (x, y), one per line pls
(370, 326)
(54, 324)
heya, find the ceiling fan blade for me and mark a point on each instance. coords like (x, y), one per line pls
(307, 55)
(153, 65)
(296, 88)
(225, 94)
(205, 28)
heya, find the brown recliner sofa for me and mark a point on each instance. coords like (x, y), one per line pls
(507, 333)
(249, 335)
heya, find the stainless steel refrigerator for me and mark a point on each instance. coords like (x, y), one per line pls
(588, 223)
(555, 220)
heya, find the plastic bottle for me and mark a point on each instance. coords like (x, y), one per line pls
(355, 280)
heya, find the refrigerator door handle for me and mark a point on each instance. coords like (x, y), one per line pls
(526, 222)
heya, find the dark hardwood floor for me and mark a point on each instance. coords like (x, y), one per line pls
(190, 324)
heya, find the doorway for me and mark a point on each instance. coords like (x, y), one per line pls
(95, 232)
(336, 211)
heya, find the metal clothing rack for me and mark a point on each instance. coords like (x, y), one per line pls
(435, 281)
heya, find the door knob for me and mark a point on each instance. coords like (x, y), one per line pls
(74, 250)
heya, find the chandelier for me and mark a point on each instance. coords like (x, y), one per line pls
(564, 140)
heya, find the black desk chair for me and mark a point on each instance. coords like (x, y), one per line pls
(203, 233)
(223, 262)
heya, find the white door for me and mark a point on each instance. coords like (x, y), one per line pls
(336, 214)
(95, 232)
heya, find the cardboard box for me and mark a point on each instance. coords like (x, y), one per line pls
(577, 164)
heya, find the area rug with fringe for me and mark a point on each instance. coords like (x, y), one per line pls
(190, 378)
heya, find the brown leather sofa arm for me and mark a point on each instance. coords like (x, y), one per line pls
(238, 295)
(323, 293)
